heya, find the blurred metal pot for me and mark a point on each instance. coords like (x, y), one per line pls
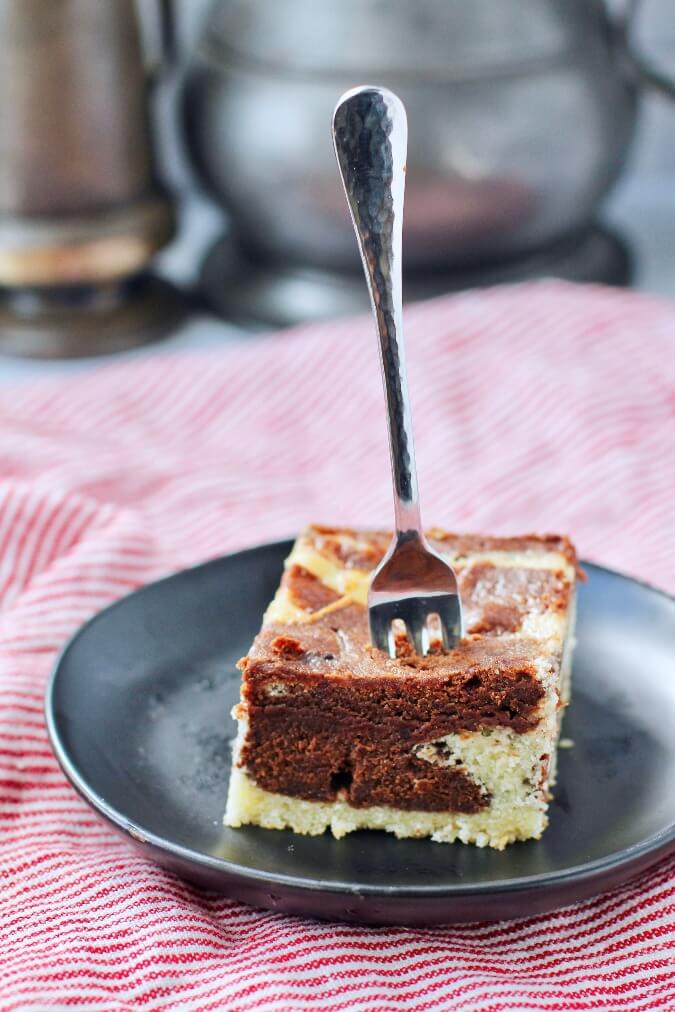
(521, 114)
(79, 201)
(82, 212)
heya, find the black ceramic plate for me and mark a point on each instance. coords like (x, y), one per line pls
(138, 714)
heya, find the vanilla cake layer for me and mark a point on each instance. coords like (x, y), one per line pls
(334, 734)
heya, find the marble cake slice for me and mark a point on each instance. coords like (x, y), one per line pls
(334, 734)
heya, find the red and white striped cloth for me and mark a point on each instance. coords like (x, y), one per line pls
(537, 407)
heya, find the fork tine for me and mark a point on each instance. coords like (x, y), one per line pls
(415, 619)
(380, 626)
(448, 608)
(415, 612)
(416, 634)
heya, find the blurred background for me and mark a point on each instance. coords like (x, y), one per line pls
(166, 168)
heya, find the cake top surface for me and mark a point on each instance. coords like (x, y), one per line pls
(359, 549)
(515, 592)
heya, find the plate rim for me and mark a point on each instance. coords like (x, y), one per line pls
(656, 845)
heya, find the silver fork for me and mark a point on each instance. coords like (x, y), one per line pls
(412, 583)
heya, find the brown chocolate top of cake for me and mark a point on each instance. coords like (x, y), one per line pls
(487, 685)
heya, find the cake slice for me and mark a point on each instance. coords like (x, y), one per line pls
(334, 734)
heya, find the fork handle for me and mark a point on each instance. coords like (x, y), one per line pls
(370, 133)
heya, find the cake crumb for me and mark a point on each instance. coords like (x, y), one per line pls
(287, 646)
(565, 743)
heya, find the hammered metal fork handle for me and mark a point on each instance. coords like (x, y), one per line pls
(370, 133)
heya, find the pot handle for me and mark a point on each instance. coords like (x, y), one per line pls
(158, 24)
(168, 31)
(638, 66)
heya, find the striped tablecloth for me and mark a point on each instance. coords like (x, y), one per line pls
(543, 406)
